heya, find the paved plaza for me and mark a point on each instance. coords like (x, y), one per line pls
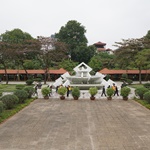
(82, 124)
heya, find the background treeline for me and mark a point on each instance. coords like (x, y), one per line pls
(67, 48)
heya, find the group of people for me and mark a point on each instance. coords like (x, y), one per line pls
(114, 87)
(69, 89)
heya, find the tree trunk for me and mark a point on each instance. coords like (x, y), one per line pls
(140, 79)
(25, 71)
(45, 76)
(6, 75)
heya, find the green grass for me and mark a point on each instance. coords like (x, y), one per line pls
(8, 113)
(135, 85)
(7, 87)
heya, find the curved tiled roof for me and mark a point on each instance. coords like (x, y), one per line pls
(10, 71)
(107, 71)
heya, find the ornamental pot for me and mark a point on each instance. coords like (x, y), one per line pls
(109, 98)
(92, 97)
(62, 97)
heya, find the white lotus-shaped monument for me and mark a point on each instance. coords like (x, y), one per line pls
(83, 79)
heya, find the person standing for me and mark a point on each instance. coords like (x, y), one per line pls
(68, 90)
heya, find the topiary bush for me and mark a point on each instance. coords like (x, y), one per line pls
(62, 90)
(93, 91)
(1, 106)
(129, 81)
(45, 91)
(147, 85)
(147, 96)
(22, 95)
(125, 91)
(20, 86)
(30, 90)
(140, 91)
(9, 101)
(75, 92)
(1, 93)
(110, 92)
(29, 82)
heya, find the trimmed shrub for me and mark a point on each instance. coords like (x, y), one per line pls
(110, 92)
(140, 91)
(93, 91)
(20, 86)
(1, 93)
(9, 101)
(45, 91)
(30, 90)
(62, 90)
(147, 85)
(75, 92)
(125, 91)
(1, 106)
(147, 96)
(22, 95)
(129, 81)
(29, 82)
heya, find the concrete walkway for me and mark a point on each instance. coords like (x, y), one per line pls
(55, 124)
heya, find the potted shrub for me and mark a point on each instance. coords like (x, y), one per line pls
(110, 93)
(125, 91)
(93, 91)
(45, 92)
(75, 93)
(62, 91)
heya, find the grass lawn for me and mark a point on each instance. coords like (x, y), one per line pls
(135, 85)
(7, 87)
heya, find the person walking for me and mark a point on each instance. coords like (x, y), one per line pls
(103, 91)
(35, 90)
(116, 91)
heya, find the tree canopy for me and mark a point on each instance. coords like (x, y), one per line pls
(73, 34)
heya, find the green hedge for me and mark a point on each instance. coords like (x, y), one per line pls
(22, 95)
(9, 101)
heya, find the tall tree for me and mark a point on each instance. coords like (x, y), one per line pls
(24, 45)
(128, 49)
(51, 51)
(6, 54)
(142, 61)
(73, 34)
(83, 53)
(15, 36)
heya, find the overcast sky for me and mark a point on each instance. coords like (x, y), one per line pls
(107, 21)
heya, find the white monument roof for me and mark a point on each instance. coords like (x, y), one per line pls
(82, 67)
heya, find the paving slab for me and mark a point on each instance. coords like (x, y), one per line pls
(82, 124)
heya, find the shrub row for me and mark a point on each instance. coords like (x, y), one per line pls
(143, 93)
(20, 95)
